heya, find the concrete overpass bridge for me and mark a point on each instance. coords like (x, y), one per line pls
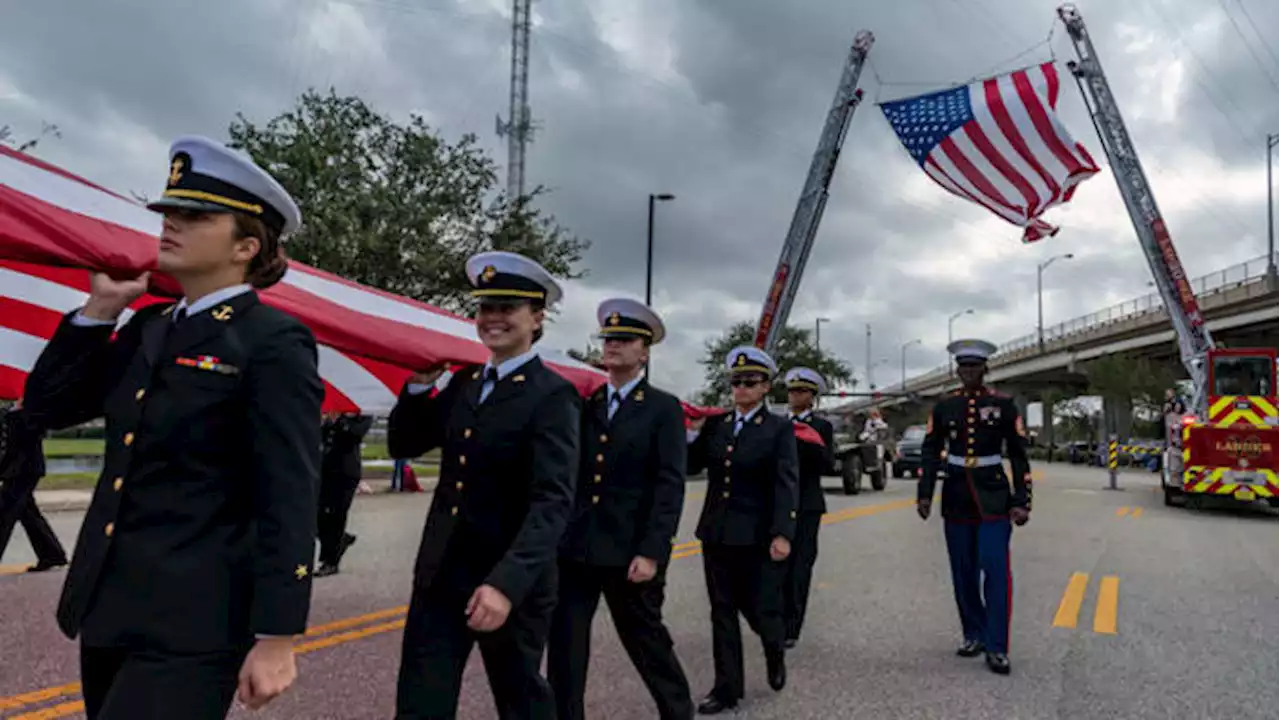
(1239, 304)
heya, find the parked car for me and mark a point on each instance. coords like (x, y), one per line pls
(906, 457)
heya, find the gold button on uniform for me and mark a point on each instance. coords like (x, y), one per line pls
(138, 395)
(458, 485)
(597, 478)
(604, 438)
(462, 460)
(725, 494)
(793, 514)
(109, 529)
(599, 458)
(119, 483)
(595, 499)
(729, 449)
(466, 433)
(128, 438)
(453, 510)
(728, 462)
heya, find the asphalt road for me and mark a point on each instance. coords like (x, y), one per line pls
(1122, 608)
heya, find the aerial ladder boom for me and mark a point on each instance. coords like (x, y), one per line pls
(1180, 302)
(813, 198)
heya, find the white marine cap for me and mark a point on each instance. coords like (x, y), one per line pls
(971, 349)
(749, 358)
(498, 275)
(209, 176)
(803, 378)
(626, 318)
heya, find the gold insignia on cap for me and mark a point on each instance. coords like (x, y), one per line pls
(489, 272)
(301, 571)
(223, 313)
(614, 319)
(175, 171)
(742, 358)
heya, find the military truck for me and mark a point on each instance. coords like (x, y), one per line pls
(856, 456)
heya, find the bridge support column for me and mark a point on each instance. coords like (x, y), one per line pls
(1117, 414)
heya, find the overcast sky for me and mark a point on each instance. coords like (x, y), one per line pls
(719, 102)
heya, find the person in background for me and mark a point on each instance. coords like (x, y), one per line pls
(618, 543)
(191, 576)
(979, 508)
(803, 387)
(21, 467)
(747, 524)
(508, 433)
(340, 471)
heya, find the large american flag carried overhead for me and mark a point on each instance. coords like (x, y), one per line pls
(997, 142)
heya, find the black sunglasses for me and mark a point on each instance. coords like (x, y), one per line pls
(745, 382)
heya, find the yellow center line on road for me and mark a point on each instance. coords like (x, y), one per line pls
(1104, 616)
(13, 569)
(682, 550)
(1069, 608)
(1137, 513)
(1121, 512)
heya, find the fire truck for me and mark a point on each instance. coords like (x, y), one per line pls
(1226, 445)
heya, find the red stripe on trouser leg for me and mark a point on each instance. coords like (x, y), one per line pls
(1008, 608)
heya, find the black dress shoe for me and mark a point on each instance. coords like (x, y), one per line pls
(998, 662)
(970, 648)
(45, 565)
(712, 705)
(325, 570)
(776, 665)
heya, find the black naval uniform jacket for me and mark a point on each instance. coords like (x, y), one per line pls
(815, 462)
(631, 482)
(342, 438)
(751, 479)
(201, 531)
(966, 426)
(508, 467)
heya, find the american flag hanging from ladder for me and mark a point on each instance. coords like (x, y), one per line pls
(997, 142)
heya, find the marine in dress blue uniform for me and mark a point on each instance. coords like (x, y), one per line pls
(747, 524)
(630, 495)
(803, 387)
(967, 432)
(198, 542)
(508, 433)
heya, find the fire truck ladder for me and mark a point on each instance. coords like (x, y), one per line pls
(813, 198)
(1180, 302)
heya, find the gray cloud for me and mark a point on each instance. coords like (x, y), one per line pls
(721, 104)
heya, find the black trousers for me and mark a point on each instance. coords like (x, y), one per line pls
(18, 505)
(742, 580)
(637, 614)
(437, 643)
(804, 555)
(337, 491)
(123, 684)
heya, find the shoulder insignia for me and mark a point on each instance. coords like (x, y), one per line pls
(223, 313)
(759, 419)
(517, 378)
(301, 572)
(475, 375)
(167, 310)
(639, 396)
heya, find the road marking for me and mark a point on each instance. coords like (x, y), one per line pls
(1134, 512)
(1104, 616)
(682, 550)
(1069, 608)
(1137, 512)
(13, 569)
(1121, 512)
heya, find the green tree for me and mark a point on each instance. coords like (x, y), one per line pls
(1128, 382)
(396, 206)
(590, 355)
(795, 348)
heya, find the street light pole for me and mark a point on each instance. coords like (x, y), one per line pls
(1040, 296)
(870, 382)
(1272, 140)
(950, 325)
(817, 333)
(648, 267)
(906, 345)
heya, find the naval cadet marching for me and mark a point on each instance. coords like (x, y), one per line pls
(630, 495)
(803, 387)
(747, 524)
(192, 572)
(979, 507)
(486, 570)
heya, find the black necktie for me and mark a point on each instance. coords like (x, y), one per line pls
(491, 375)
(614, 403)
(179, 315)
